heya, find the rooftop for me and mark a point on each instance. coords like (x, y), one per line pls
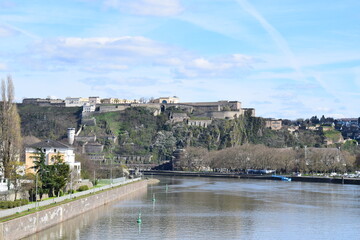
(49, 144)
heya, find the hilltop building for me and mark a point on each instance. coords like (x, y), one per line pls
(166, 100)
(75, 101)
(118, 101)
(94, 100)
(47, 102)
(210, 110)
(88, 107)
(274, 124)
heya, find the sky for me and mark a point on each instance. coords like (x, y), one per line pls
(285, 58)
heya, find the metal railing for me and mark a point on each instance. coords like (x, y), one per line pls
(115, 182)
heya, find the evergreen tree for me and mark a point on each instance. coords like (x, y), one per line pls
(322, 119)
(54, 177)
(314, 120)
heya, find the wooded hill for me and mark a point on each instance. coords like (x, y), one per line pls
(47, 122)
(141, 133)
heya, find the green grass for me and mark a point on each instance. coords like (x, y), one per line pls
(332, 134)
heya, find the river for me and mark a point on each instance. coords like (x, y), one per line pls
(209, 208)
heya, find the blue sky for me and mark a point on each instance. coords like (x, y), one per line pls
(285, 58)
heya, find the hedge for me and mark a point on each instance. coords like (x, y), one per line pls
(83, 188)
(12, 204)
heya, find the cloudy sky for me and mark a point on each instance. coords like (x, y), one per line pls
(285, 58)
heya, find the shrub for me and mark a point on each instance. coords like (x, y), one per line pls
(61, 193)
(95, 182)
(12, 204)
(83, 188)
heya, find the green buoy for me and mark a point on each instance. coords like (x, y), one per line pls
(153, 199)
(139, 218)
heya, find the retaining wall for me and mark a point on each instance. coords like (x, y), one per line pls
(355, 181)
(32, 223)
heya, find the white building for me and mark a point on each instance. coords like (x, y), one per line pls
(88, 107)
(51, 149)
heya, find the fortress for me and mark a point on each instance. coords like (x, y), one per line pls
(204, 110)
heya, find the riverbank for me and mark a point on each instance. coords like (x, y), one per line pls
(153, 181)
(24, 226)
(30, 208)
(355, 181)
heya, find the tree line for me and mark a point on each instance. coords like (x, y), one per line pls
(284, 160)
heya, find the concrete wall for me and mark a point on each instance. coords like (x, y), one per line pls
(32, 223)
(224, 114)
(85, 138)
(113, 108)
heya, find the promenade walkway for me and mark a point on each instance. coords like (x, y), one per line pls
(116, 182)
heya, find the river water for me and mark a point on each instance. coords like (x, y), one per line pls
(209, 208)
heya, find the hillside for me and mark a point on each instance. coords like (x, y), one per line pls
(139, 133)
(47, 122)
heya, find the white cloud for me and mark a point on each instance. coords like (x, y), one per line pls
(229, 66)
(98, 54)
(123, 53)
(146, 7)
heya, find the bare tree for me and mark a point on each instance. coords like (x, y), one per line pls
(195, 159)
(10, 133)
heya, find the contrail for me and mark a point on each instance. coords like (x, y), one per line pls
(275, 35)
(26, 33)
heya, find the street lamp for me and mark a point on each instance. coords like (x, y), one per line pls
(71, 183)
(111, 181)
(36, 189)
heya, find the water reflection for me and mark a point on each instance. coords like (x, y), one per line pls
(201, 208)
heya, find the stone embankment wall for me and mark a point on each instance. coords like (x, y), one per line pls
(23, 226)
(355, 181)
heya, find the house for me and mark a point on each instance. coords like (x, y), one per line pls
(93, 147)
(94, 100)
(177, 117)
(274, 124)
(87, 107)
(51, 149)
